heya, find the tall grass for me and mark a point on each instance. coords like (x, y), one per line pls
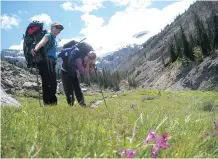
(66, 132)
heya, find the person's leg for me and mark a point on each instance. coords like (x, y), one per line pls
(68, 87)
(53, 84)
(42, 66)
(78, 91)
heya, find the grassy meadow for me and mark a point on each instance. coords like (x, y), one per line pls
(62, 131)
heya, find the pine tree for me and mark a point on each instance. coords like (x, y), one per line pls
(192, 41)
(178, 46)
(173, 55)
(186, 48)
(203, 38)
(215, 24)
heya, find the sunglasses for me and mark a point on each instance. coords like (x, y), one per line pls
(58, 27)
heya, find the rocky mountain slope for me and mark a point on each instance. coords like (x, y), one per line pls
(149, 71)
(19, 81)
(15, 80)
(115, 59)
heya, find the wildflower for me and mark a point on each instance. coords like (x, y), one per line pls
(129, 153)
(151, 135)
(155, 151)
(159, 140)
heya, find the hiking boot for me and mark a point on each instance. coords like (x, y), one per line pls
(83, 105)
(71, 104)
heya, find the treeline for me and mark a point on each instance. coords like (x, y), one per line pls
(198, 45)
(106, 78)
(109, 79)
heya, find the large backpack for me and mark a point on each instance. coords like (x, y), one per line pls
(34, 33)
(71, 51)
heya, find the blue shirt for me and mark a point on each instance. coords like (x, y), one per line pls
(50, 48)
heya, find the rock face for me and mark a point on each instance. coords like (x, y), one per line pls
(7, 100)
(147, 66)
(17, 80)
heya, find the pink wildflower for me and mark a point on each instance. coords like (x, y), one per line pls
(160, 142)
(130, 153)
(151, 135)
(155, 151)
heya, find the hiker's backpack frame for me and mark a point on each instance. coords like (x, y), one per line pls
(34, 33)
(74, 50)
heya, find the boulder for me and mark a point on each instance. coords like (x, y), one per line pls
(30, 86)
(7, 100)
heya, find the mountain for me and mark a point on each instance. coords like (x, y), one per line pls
(112, 61)
(13, 56)
(148, 66)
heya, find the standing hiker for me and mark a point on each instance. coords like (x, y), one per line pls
(47, 65)
(83, 61)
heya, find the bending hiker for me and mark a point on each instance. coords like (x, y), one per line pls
(47, 65)
(83, 61)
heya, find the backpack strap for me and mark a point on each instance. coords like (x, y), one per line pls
(51, 43)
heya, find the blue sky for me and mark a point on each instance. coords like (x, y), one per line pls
(106, 24)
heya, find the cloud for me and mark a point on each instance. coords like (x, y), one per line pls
(92, 21)
(136, 5)
(42, 18)
(17, 47)
(83, 6)
(69, 24)
(67, 6)
(137, 17)
(7, 22)
(121, 2)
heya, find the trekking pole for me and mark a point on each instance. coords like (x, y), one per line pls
(100, 86)
(37, 77)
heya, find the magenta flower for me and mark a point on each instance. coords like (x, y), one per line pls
(151, 135)
(129, 153)
(165, 135)
(159, 140)
(155, 151)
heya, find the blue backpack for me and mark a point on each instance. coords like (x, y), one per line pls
(73, 50)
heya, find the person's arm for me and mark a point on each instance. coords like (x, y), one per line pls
(91, 68)
(39, 45)
(83, 70)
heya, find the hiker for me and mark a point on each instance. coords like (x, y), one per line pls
(47, 65)
(84, 63)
